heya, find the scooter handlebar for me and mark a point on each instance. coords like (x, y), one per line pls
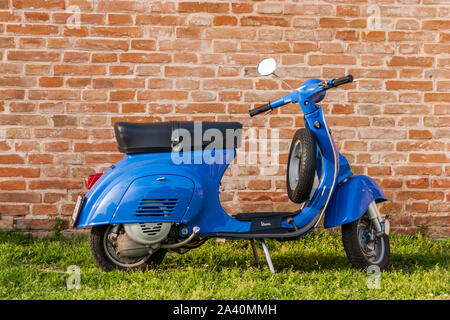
(291, 97)
(261, 109)
(343, 80)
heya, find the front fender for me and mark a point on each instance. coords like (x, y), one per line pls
(351, 200)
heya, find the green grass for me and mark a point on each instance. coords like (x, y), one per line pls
(314, 267)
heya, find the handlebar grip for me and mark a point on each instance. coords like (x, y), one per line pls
(258, 110)
(343, 80)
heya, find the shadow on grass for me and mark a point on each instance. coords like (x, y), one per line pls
(310, 262)
(405, 262)
(306, 262)
(410, 262)
(408, 254)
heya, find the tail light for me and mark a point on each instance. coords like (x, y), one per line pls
(92, 179)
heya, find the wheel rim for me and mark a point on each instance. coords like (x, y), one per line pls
(372, 247)
(294, 164)
(115, 257)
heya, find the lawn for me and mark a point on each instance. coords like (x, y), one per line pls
(313, 267)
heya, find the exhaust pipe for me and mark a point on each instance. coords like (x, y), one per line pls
(195, 230)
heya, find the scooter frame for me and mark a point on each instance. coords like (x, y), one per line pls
(340, 196)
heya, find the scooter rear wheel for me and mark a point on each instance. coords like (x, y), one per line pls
(301, 167)
(108, 260)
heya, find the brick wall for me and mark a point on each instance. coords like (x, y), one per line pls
(70, 69)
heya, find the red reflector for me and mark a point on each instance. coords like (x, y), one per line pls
(92, 179)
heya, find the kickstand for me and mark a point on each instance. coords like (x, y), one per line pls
(255, 253)
(267, 253)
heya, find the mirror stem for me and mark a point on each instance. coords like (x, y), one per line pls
(287, 84)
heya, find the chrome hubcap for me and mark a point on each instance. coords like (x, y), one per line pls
(372, 247)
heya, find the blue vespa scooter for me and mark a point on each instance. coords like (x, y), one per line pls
(164, 194)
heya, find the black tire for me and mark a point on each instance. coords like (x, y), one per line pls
(354, 251)
(300, 191)
(107, 264)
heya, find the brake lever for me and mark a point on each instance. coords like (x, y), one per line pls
(268, 111)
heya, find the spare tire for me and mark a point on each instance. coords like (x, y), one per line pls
(301, 166)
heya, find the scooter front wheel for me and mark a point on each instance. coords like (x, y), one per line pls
(363, 247)
(107, 258)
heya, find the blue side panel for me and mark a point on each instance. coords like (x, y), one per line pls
(155, 198)
(351, 200)
(118, 194)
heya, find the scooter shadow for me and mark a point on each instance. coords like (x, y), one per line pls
(283, 262)
(412, 262)
(309, 262)
(404, 263)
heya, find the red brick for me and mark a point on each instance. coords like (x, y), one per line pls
(264, 21)
(39, 56)
(145, 57)
(411, 61)
(420, 134)
(122, 95)
(419, 195)
(13, 209)
(143, 44)
(417, 183)
(27, 146)
(429, 158)
(210, 7)
(76, 57)
(118, 83)
(38, 4)
(119, 6)
(417, 170)
(57, 146)
(44, 209)
(12, 185)
(21, 197)
(42, 29)
(242, 7)
(51, 82)
(55, 184)
(225, 21)
(328, 59)
(410, 36)
(101, 44)
(31, 43)
(174, 71)
(409, 85)
(133, 32)
(120, 19)
(79, 70)
(435, 24)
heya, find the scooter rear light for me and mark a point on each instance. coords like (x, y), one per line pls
(92, 179)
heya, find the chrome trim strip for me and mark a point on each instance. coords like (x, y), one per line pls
(335, 171)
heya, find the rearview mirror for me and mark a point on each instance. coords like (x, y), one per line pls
(267, 66)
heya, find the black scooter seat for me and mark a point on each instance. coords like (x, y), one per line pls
(163, 136)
